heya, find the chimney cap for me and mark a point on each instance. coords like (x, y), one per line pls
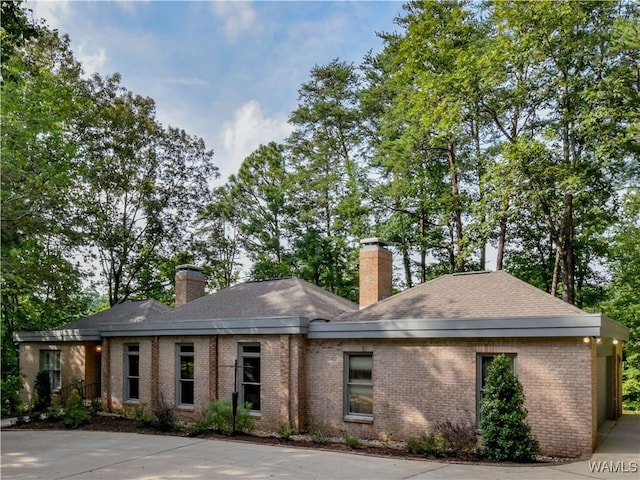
(374, 241)
(188, 268)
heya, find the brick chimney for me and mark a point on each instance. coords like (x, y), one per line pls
(375, 271)
(189, 283)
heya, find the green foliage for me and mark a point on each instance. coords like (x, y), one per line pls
(430, 445)
(506, 436)
(623, 302)
(95, 407)
(220, 417)
(351, 440)
(10, 389)
(75, 413)
(318, 436)
(43, 391)
(285, 431)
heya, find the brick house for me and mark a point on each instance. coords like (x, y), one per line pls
(394, 364)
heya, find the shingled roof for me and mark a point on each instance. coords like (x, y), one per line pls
(127, 312)
(290, 297)
(469, 295)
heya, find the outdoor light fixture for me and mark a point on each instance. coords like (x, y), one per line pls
(586, 339)
(598, 340)
(99, 348)
(615, 342)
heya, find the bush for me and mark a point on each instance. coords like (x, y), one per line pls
(459, 439)
(429, 445)
(164, 419)
(43, 391)
(220, 417)
(505, 432)
(10, 389)
(74, 412)
(95, 406)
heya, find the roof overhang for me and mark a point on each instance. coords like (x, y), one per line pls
(241, 326)
(559, 326)
(63, 335)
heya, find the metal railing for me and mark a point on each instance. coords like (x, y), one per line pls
(87, 391)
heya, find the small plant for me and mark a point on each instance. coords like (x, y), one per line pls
(385, 438)
(429, 445)
(163, 416)
(460, 438)
(42, 399)
(319, 437)
(505, 432)
(350, 440)
(74, 412)
(141, 415)
(285, 431)
(220, 417)
(95, 406)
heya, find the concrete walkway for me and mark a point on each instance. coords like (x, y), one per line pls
(53, 455)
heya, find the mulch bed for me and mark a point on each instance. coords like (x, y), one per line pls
(114, 423)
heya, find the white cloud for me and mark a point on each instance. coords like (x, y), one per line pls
(248, 129)
(56, 13)
(91, 62)
(237, 16)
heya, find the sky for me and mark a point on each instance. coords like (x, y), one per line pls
(226, 71)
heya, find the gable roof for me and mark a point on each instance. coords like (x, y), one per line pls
(473, 295)
(289, 297)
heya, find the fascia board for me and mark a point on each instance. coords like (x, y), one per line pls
(612, 329)
(243, 326)
(64, 335)
(560, 326)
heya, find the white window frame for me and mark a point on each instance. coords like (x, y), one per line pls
(131, 350)
(349, 383)
(51, 362)
(242, 354)
(180, 354)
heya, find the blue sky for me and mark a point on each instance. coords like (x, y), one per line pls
(227, 71)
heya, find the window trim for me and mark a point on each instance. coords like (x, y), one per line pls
(179, 379)
(58, 363)
(128, 353)
(242, 354)
(348, 414)
(479, 389)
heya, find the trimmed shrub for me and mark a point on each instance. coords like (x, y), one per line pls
(74, 412)
(220, 417)
(506, 436)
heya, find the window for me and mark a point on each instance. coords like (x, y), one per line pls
(50, 363)
(359, 384)
(185, 374)
(250, 378)
(484, 361)
(132, 372)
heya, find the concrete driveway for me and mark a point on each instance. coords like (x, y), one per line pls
(32, 454)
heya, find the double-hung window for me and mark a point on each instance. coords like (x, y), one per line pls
(132, 372)
(483, 364)
(250, 377)
(50, 363)
(359, 384)
(185, 374)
